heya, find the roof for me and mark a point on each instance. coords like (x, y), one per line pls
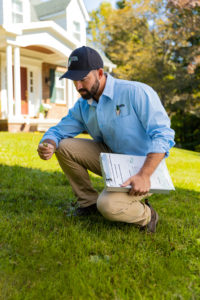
(50, 7)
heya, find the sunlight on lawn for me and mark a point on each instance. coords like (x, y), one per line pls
(20, 149)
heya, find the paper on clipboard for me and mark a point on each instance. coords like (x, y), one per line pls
(117, 168)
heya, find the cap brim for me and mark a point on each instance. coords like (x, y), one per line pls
(74, 74)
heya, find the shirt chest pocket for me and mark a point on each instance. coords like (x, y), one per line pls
(119, 115)
(121, 111)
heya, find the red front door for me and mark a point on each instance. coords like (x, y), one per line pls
(24, 91)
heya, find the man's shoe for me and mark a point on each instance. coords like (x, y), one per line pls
(85, 211)
(151, 226)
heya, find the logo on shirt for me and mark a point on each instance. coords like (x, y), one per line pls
(71, 59)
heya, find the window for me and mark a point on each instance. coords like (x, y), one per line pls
(77, 30)
(17, 11)
(60, 88)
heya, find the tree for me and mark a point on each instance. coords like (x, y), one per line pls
(157, 42)
(185, 20)
(121, 4)
(134, 37)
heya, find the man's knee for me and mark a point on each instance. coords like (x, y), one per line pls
(107, 206)
(123, 208)
(69, 149)
(65, 146)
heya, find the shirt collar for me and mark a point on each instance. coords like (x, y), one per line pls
(109, 87)
(108, 90)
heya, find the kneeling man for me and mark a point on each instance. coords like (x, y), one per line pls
(122, 117)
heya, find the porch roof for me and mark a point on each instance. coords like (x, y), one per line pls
(46, 34)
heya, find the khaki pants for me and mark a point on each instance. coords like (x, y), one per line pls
(75, 157)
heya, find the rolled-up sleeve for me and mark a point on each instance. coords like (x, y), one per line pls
(70, 126)
(154, 120)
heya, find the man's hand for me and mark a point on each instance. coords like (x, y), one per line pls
(141, 181)
(140, 184)
(45, 150)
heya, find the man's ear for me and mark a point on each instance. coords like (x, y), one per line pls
(100, 73)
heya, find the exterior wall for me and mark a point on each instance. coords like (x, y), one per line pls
(60, 20)
(27, 13)
(6, 11)
(74, 13)
(57, 111)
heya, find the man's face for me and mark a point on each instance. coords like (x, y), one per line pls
(88, 86)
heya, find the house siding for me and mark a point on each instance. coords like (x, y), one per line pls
(57, 111)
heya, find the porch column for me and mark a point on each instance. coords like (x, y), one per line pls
(17, 81)
(9, 80)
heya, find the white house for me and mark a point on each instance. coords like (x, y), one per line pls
(36, 39)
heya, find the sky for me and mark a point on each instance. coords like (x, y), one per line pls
(93, 4)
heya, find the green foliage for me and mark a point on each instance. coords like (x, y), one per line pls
(46, 255)
(121, 4)
(140, 50)
(187, 128)
(155, 42)
(42, 110)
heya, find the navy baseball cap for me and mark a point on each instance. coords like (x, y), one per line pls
(81, 61)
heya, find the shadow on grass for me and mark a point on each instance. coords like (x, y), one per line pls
(23, 190)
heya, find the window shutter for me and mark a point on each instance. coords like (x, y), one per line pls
(52, 86)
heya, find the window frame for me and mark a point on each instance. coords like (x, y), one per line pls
(61, 86)
(16, 13)
(77, 32)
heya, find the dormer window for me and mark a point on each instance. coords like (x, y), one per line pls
(17, 11)
(77, 30)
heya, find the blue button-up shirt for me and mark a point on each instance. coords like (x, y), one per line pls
(129, 118)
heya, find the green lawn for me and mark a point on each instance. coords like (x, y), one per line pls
(46, 255)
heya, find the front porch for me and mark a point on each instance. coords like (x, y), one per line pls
(30, 66)
(26, 124)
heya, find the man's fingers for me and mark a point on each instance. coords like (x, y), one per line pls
(45, 154)
(127, 182)
(45, 157)
(139, 186)
(45, 146)
(133, 192)
(45, 151)
(137, 192)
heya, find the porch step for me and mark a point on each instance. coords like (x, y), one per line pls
(26, 125)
